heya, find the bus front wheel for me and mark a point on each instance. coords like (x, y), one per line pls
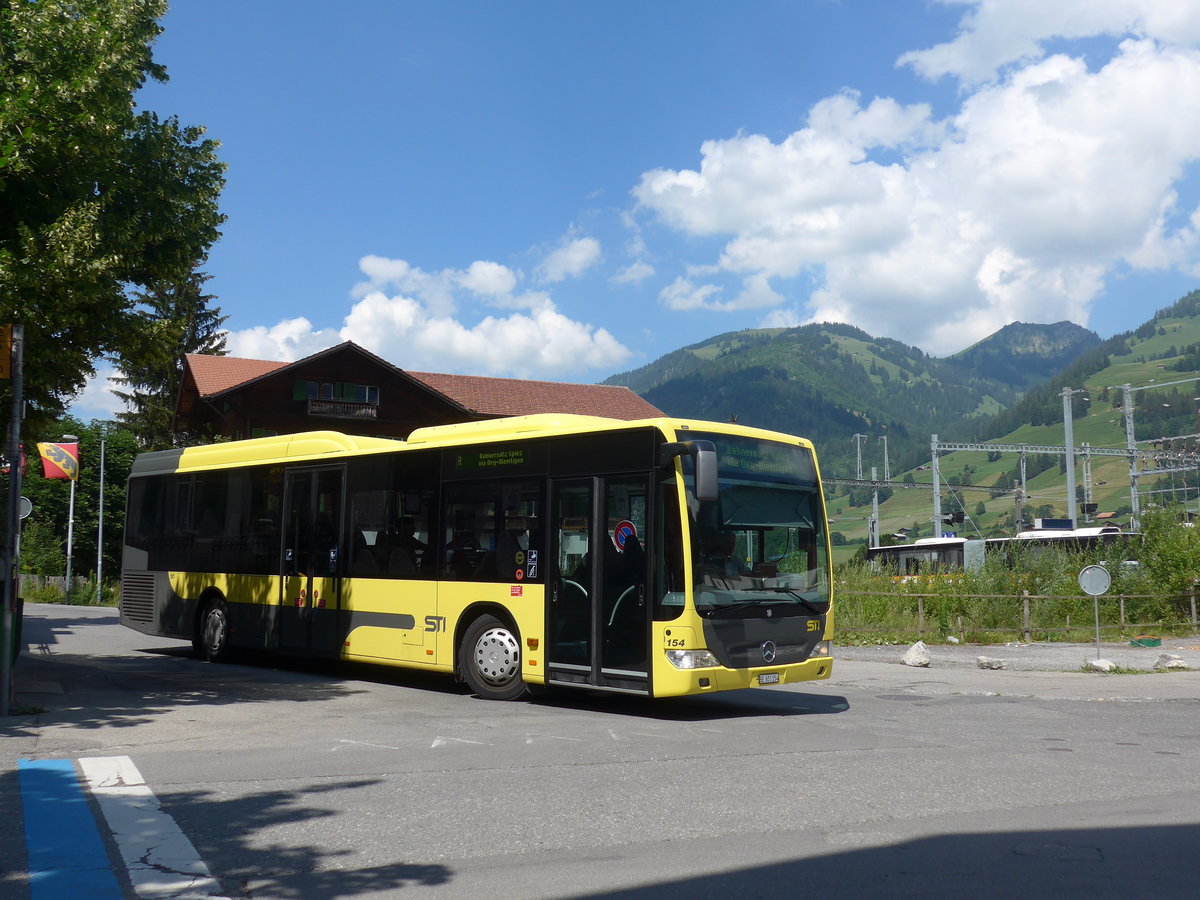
(490, 656)
(212, 633)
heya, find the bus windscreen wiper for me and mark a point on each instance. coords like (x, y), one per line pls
(800, 598)
(717, 610)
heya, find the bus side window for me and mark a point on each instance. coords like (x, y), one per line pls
(368, 526)
(406, 547)
(488, 528)
(467, 527)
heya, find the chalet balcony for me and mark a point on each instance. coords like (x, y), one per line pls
(340, 409)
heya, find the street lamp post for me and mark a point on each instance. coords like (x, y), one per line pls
(1069, 446)
(100, 528)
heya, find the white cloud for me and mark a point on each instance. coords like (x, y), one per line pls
(570, 260)
(782, 318)
(433, 322)
(381, 270)
(285, 341)
(538, 344)
(485, 280)
(939, 232)
(96, 400)
(996, 33)
(634, 273)
(756, 293)
(489, 279)
(682, 294)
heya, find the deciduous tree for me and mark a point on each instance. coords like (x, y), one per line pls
(96, 197)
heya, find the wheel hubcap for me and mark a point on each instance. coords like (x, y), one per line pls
(214, 633)
(497, 656)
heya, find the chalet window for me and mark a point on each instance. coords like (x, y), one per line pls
(303, 389)
(344, 392)
(359, 393)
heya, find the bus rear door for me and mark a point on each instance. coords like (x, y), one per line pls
(311, 582)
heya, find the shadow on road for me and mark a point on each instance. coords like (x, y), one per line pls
(1099, 863)
(135, 687)
(232, 831)
(750, 703)
(125, 691)
(248, 835)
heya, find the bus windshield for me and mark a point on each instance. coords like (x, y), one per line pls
(762, 541)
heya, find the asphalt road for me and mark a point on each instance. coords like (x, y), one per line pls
(294, 779)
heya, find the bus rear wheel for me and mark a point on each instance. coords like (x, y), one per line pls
(490, 656)
(212, 632)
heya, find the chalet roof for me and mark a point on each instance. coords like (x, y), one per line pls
(484, 396)
(214, 374)
(517, 397)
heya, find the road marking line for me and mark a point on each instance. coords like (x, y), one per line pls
(67, 858)
(534, 736)
(440, 741)
(162, 862)
(365, 744)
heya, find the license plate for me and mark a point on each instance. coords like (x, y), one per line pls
(769, 678)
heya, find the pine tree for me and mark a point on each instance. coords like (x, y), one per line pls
(177, 319)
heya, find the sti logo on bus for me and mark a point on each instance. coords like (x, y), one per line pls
(435, 623)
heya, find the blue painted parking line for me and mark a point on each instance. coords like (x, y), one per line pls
(67, 858)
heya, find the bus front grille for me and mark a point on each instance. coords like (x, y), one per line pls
(137, 597)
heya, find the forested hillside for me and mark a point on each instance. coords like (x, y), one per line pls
(830, 381)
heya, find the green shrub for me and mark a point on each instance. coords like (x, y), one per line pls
(42, 593)
(986, 603)
(84, 594)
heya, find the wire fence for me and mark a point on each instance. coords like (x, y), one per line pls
(984, 617)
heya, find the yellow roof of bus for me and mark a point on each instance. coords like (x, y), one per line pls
(316, 444)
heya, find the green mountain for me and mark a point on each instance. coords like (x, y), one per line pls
(831, 381)
(1024, 355)
(1160, 361)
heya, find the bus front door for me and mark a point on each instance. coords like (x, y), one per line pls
(310, 584)
(598, 620)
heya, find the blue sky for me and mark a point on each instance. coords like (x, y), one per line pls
(568, 190)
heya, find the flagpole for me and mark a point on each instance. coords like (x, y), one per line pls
(70, 438)
(70, 533)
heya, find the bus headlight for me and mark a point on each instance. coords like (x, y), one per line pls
(822, 648)
(692, 659)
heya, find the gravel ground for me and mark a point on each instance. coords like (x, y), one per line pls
(1036, 657)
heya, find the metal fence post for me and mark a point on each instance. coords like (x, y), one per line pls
(921, 616)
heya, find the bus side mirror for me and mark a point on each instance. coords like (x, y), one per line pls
(704, 461)
(704, 454)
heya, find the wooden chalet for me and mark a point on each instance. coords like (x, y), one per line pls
(347, 388)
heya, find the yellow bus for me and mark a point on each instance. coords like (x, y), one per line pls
(660, 557)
